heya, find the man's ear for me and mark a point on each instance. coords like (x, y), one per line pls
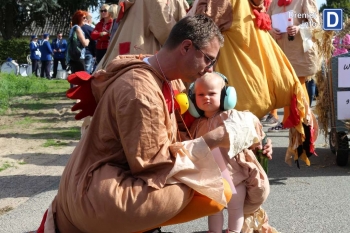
(186, 45)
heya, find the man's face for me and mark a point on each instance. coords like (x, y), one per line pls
(202, 60)
(59, 36)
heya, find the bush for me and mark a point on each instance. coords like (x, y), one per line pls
(17, 49)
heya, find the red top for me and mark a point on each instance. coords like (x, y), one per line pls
(102, 41)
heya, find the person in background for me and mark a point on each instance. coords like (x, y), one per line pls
(305, 64)
(35, 54)
(113, 12)
(59, 47)
(101, 32)
(78, 20)
(135, 35)
(90, 49)
(46, 56)
(341, 44)
(259, 70)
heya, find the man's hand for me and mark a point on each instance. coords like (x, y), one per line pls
(292, 30)
(276, 34)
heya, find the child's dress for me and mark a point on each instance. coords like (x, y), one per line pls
(243, 166)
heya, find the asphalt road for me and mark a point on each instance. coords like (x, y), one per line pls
(313, 199)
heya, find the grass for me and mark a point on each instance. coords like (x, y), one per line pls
(12, 86)
(26, 121)
(5, 165)
(54, 143)
(71, 133)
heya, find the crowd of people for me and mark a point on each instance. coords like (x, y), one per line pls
(93, 40)
(144, 161)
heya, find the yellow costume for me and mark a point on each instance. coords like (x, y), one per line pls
(256, 66)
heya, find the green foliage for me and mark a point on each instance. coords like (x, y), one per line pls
(12, 86)
(17, 49)
(18, 15)
(337, 4)
(54, 143)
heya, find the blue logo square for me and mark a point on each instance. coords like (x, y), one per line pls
(332, 19)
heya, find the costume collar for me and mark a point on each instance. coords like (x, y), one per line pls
(284, 2)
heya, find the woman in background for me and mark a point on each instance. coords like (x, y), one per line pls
(113, 12)
(101, 33)
(77, 22)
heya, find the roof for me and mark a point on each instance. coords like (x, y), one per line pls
(62, 25)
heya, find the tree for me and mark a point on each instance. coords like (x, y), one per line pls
(17, 15)
(337, 4)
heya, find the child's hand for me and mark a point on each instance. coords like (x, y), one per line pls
(267, 150)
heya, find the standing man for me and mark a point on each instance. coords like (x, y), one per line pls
(90, 49)
(34, 54)
(59, 47)
(46, 56)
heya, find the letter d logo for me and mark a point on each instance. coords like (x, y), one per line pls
(332, 19)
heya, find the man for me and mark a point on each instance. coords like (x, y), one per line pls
(59, 47)
(90, 49)
(46, 56)
(130, 172)
(34, 54)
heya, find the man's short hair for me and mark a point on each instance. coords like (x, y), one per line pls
(200, 29)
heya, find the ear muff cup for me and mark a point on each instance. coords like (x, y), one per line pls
(193, 108)
(228, 99)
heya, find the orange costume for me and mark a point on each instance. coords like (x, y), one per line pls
(259, 70)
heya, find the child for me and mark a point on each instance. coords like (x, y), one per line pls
(250, 181)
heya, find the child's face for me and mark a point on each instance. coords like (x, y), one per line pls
(208, 95)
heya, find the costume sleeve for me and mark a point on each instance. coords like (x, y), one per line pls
(163, 15)
(219, 10)
(310, 8)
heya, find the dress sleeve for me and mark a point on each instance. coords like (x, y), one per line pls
(310, 9)
(219, 10)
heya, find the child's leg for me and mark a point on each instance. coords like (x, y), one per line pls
(222, 165)
(216, 222)
(235, 209)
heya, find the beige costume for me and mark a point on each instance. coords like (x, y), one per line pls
(128, 171)
(304, 63)
(144, 27)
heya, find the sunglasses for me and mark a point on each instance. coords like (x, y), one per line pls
(208, 59)
(103, 11)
